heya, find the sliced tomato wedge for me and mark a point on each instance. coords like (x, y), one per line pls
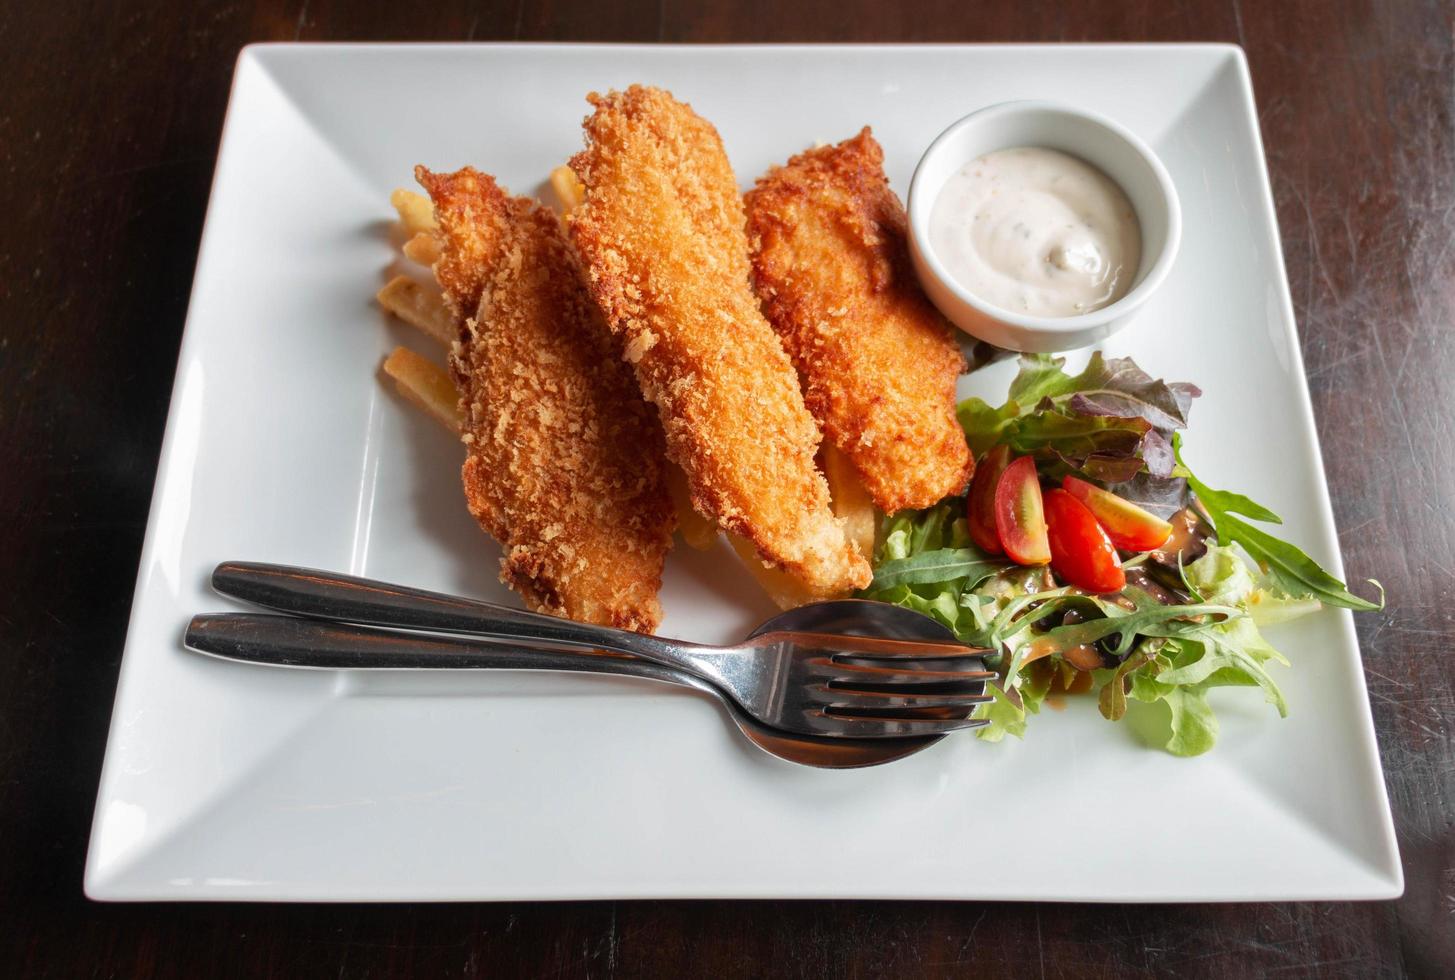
(1128, 526)
(1081, 553)
(1019, 520)
(980, 503)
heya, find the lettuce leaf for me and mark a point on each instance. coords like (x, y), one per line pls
(1115, 387)
(1194, 726)
(1051, 434)
(1109, 423)
(983, 424)
(1004, 715)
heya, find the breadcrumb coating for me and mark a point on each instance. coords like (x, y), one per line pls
(877, 361)
(662, 234)
(565, 461)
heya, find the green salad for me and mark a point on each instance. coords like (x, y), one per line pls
(1088, 557)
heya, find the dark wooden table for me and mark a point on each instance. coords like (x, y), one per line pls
(109, 121)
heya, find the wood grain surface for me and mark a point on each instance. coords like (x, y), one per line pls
(109, 121)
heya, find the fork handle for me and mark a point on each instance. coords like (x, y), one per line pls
(287, 641)
(347, 599)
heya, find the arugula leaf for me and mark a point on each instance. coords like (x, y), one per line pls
(1232, 656)
(1286, 565)
(1295, 572)
(940, 565)
(1151, 619)
(1112, 699)
(925, 562)
(1222, 501)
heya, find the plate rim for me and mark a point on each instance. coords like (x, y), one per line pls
(252, 57)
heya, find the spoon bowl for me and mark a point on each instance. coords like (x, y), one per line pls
(855, 617)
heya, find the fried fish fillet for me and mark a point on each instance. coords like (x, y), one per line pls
(565, 460)
(877, 361)
(661, 232)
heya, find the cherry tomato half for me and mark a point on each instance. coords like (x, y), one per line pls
(1019, 520)
(1128, 526)
(1081, 553)
(980, 503)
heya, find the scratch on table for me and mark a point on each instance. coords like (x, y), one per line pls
(611, 940)
(1040, 944)
(1364, 523)
(1316, 252)
(1387, 679)
(1360, 350)
(1384, 698)
(1316, 968)
(1428, 730)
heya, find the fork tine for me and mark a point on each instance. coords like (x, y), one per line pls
(842, 727)
(859, 702)
(961, 665)
(871, 678)
(880, 648)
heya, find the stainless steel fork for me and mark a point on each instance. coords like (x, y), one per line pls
(817, 683)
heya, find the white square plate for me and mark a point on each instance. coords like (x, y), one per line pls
(231, 782)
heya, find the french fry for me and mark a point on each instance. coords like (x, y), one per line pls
(849, 499)
(568, 188)
(696, 530)
(785, 590)
(426, 384)
(416, 212)
(418, 307)
(423, 248)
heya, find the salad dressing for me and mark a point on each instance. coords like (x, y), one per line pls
(1038, 232)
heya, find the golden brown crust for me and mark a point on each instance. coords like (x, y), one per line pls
(878, 363)
(565, 464)
(661, 231)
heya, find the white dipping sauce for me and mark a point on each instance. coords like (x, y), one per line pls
(1037, 231)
